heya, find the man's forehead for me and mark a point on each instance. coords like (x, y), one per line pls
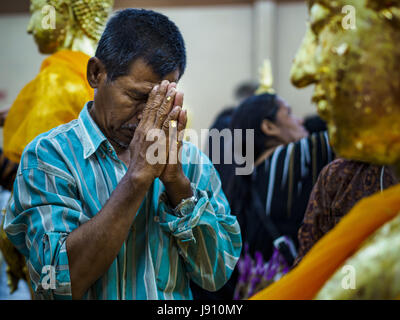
(141, 71)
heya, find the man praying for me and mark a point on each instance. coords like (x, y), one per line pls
(92, 216)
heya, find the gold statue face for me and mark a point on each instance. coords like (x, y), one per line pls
(356, 73)
(48, 39)
(77, 25)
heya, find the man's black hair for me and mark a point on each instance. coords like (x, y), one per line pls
(138, 33)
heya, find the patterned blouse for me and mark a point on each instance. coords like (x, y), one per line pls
(341, 184)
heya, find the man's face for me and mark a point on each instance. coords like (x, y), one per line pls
(48, 39)
(120, 103)
(356, 73)
(290, 127)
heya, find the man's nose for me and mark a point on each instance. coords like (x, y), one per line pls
(304, 69)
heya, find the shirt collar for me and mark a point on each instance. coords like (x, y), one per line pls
(92, 137)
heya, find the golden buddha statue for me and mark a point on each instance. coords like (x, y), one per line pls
(60, 90)
(356, 72)
(353, 72)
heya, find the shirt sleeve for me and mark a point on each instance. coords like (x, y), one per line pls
(208, 238)
(41, 213)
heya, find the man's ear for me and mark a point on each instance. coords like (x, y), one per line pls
(96, 72)
(269, 128)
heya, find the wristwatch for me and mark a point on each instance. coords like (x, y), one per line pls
(186, 206)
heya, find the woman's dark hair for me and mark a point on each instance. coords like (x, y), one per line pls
(138, 33)
(249, 115)
(314, 123)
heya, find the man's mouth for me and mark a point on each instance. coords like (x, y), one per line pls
(124, 135)
(128, 129)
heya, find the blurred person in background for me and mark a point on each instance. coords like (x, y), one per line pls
(271, 202)
(223, 121)
(357, 97)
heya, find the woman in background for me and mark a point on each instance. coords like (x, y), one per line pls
(271, 202)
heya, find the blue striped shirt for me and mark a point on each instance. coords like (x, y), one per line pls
(64, 179)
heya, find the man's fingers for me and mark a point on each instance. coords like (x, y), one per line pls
(162, 99)
(182, 120)
(171, 129)
(170, 126)
(171, 85)
(172, 120)
(165, 107)
(156, 98)
(178, 99)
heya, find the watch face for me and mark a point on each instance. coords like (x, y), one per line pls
(186, 206)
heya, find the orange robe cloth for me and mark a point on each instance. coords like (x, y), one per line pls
(56, 96)
(329, 254)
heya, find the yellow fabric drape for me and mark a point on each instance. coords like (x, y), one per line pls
(56, 96)
(328, 254)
